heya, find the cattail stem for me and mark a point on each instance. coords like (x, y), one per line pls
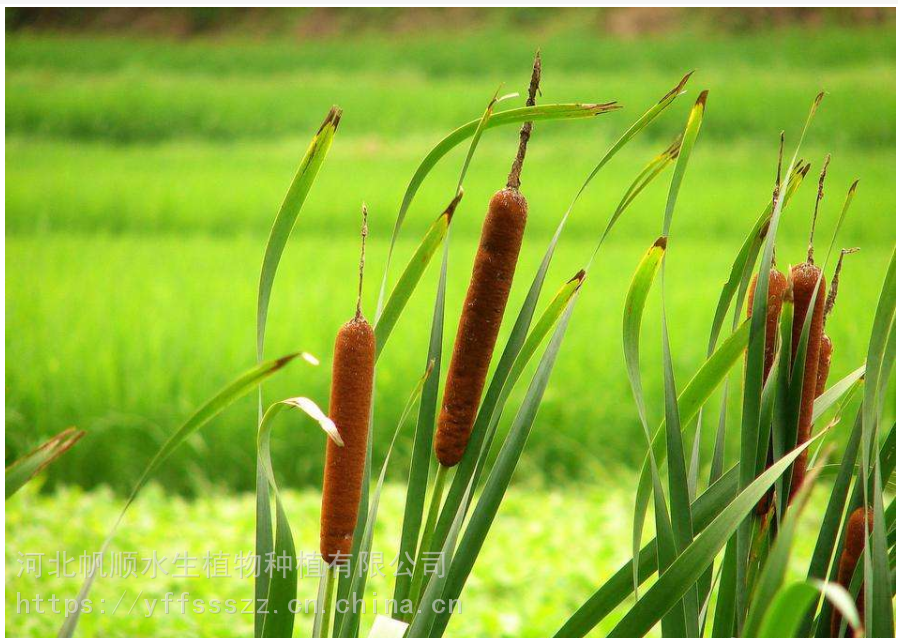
(433, 514)
(358, 303)
(514, 176)
(325, 603)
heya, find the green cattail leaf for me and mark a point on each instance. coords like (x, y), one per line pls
(226, 396)
(277, 622)
(286, 217)
(678, 481)
(274, 249)
(686, 569)
(33, 463)
(412, 274)
(497, 483)
(620, 586)
(512, 116)
(693, 396)
(784, 616)
(839, 389)
(634, 306)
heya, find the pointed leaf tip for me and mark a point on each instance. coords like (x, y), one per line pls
(450, 209)
(702, 98)
(333, 118)
(661, 242)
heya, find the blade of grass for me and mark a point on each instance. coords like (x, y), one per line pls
(225, 397)
(678, 482)
(274, 249)
(34, 462)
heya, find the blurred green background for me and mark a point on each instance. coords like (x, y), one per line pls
(147, 153)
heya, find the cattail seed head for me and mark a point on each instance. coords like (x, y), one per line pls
(494, 267)
(805, 279)
(860, 523)
(350, 406)
(776, 289)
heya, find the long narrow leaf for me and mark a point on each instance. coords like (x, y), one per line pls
(230, 393)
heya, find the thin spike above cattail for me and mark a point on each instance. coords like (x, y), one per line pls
(834, 286)
(364, 234)
(514, 175)
(820, 182)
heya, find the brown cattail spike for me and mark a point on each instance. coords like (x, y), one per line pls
(478, 328)
(514, 176)
(352, 383)
(817, 207)
(776, 290)
(805, 278)
(481, 317)
(860, 523)
(824, 364)
(350, 405)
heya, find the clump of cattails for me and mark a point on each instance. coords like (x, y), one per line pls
(860, 523)
(494, 267)
(350, 405)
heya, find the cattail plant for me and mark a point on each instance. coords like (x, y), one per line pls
(478, 328)
(808, 287)
(860, 523)
(350, 405)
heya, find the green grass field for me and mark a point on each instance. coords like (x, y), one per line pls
(533, 572)
(142, 180)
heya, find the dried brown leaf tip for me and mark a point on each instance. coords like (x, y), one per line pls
(333, 118)
(450, 209)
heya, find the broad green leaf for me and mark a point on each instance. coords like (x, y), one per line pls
(27, 467)
(225, 397)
